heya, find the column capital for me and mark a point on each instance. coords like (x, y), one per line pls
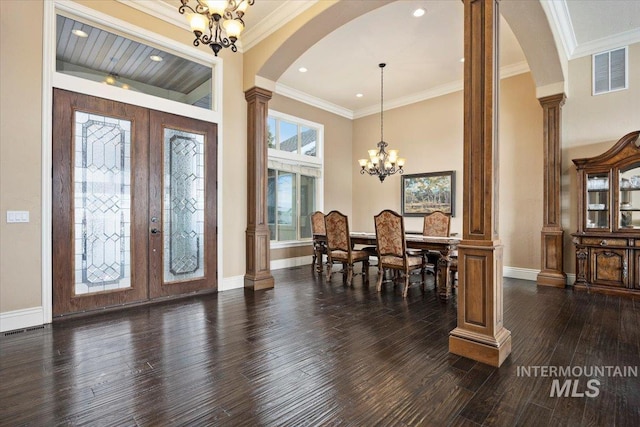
(551, 100)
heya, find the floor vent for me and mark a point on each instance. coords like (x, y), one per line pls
(19, 331)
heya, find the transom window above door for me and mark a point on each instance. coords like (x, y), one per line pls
(91, 53)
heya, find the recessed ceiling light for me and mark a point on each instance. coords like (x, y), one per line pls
(156, 58)
(302, 69)
(79, 33)
(359, 95)
(418, 12)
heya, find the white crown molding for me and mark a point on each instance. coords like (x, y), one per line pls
(251, 37)
(607, 43)
(167, 13)
(434, 92)
(159, 9)
(561, 20)
(274, 21)
(313, 101)
(444, 89)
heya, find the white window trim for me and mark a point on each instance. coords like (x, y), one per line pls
(51, 79)
(626, 71)
(301, 159)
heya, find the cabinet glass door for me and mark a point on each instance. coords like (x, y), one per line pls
(597, 200)
(629, 217)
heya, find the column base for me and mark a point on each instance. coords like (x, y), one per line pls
(488, 350)
(259, 284)
(552, 279)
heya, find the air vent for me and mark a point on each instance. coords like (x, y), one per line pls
(610, 71)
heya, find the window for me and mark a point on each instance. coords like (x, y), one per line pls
(91, 53)
(294, 182)
(610, 71)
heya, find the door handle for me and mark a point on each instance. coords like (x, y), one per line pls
(155, 231)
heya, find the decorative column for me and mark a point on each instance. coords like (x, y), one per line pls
(552, 263)
(480, 334)
(258, 275)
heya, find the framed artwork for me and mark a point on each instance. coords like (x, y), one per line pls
(427, 192)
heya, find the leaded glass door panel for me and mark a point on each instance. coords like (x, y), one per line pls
(182, 205)
(100, 193)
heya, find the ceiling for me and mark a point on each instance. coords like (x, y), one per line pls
(422, 54)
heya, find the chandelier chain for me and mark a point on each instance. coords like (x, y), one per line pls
(382, 102)
(382, 163)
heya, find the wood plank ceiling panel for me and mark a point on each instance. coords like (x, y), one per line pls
(107, 53)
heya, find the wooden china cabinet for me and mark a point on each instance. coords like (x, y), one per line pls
(607, 242)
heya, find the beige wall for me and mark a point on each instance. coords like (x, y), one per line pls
(521, 172)
(20, 145)
(429, 135)
(337, 158)
(590, 126)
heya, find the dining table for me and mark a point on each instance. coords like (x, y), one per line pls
(446, 246)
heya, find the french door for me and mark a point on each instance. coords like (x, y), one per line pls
(134, 204)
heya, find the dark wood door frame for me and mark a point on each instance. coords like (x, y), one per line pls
(147, 174)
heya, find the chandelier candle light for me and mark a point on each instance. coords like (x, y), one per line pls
(382, 163)
(216, 23)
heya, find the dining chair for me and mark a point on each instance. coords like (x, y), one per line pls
(392, 249)
(339, 247)
(435, 224)
(318, 234)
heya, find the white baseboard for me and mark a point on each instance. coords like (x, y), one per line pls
(530, 274)
(20, 319)
(291, 262)
(520, 273)
(233, 282)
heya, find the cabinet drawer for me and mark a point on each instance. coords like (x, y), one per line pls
(604, 241)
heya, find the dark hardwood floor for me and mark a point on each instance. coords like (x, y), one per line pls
(309, 353)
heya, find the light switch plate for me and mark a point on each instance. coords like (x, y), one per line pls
(17, 216)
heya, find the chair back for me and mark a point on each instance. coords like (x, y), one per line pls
(337, 231)
(317, 223)
(436, 224)
(390, 234)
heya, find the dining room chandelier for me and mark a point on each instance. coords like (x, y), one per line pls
(216, 23)
(382, 163)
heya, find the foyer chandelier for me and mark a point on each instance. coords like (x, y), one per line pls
(216, 23)
(382, 163)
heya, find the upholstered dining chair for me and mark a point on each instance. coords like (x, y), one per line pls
(339, 248)
(392, 249)
(318, 233)
(436, 224)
